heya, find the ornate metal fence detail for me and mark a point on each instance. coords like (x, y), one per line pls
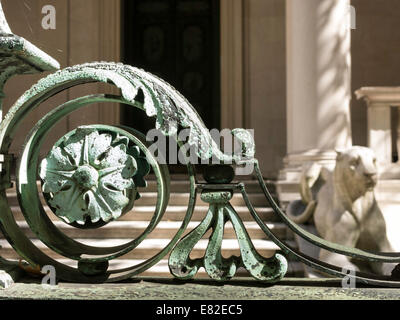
(91, 175)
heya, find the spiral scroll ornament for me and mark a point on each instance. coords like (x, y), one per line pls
(92, 175)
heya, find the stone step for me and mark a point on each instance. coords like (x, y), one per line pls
(182, 184)
(161, 269)
(386, 191)
(172, 213)
(181, 199)
(150, 247)
(176, 199)
(295, 269)
(387, 195)
(164, 230)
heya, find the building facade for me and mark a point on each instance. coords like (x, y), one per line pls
(287, 69)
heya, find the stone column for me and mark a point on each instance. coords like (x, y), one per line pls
(318, 84)
(379, 101)
(4, 27)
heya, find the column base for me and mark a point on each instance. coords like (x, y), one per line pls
(289, 177)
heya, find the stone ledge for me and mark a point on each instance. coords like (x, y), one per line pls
(170, 289)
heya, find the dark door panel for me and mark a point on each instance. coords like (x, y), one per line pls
(177, 40)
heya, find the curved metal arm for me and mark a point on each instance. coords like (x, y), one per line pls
(172, 111)
(161, 100)
(19, 56)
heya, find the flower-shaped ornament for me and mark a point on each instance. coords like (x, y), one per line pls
(91, 176)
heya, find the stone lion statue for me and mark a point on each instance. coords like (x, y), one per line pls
(344, 209)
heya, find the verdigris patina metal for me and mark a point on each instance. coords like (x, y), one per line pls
(220, 212)
(91, 175)
(19, 56)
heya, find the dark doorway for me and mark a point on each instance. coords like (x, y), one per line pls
(178, 40)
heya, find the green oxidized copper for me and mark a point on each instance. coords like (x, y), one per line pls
(19, 56)
(161, 100)
(217, 267)
(73, 171)
(171, 110)
(92, 176)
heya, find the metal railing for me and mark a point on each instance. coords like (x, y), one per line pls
(91, 175)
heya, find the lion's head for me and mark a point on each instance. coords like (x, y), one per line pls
(356, 170)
